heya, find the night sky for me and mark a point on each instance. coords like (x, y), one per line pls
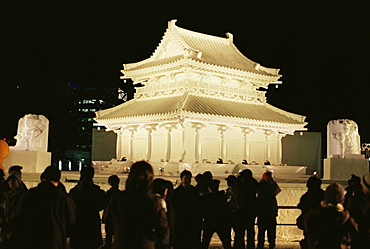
(322, 49)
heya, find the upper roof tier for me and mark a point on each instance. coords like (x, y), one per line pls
(178, 44)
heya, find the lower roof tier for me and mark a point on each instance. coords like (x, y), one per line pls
(199, 107)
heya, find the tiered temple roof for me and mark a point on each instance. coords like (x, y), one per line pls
(182, 51)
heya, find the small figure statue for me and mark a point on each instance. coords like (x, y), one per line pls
(32, 132)
(343, 137)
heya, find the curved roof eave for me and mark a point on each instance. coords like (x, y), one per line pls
(161, 117)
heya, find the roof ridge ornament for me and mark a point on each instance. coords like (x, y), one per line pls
(230, 37)
(172, 24)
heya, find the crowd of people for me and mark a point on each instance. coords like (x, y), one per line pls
(151, 214)
(336, 217)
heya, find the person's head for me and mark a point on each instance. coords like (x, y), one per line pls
(140, 178)
(334, 194)
(185, 177)
(52, 174)
(87, 173)
(15, 168)
(230, 180)
(213, 185)
(160, 187)
(313, 183)
(246, 173)
(113, 180)
(366, 183)
(354, 181)
(14, 180)
(169, 186)
(267, 176)
(199, 178)
(207, 176)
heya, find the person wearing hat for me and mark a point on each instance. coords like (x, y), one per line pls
(267, 210)
(17, 168)
(90, 199)
(46, 214)
(330, 225)
(11, 207)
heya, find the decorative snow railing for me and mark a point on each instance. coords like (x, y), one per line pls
(201, 88)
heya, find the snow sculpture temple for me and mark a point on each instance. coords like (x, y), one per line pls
(200, 103)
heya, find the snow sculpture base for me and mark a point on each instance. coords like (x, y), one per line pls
(31, 161)
(342, 168)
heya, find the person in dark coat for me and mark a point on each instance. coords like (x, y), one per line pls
(171, 217)
(113, 181)
(47, 212)
(89, 199)
(188, 211)
(362, 239)
(160, 188)
(244, 209)
(138, 216)
(330, 226)
(267, 210)
(308, 201)
(11, 209)
(354, 198)
(230, 181)
(217, 217)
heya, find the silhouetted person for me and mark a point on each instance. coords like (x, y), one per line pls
(2, 175)
(330, 226)
(244, 209)
(354, 198)
(89, 199)
(3, 184)
(170, 211)
(308, 201)
(188, 211)
(11, 209)
(362, 239)
(267, 210)
(230, 181)
(46, 214)
(217, 217)
(113, 181)
(201, 186)
(160, 188)
(138, 215)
